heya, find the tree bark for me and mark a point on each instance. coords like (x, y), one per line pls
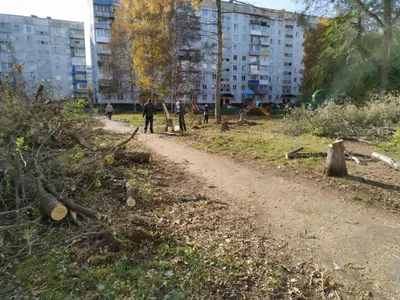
(219, 65)
(335, 165)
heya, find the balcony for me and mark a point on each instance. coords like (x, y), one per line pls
(255, 32)
(104, 14)
(84, 91)
(261, 92)
(5, 28)
(254, 82)
(74, 45)
(255, 52)
(77, 36)
(264, 82)
(80, 81)
(264, 53)
(103, 51)
(78, 54)
(103, 39)
(102, 25)
(264, 43)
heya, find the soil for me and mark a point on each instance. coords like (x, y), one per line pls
(315, 222)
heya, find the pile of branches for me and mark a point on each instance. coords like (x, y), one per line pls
(39, 140)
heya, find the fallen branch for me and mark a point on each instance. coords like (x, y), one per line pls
(296, 150)
(119, 146)
(387, 160)
(305, 155)
(136, 157)
(349, 155)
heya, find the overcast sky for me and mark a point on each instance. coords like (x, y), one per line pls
(77, 10)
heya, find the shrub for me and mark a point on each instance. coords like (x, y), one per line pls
(375, 118)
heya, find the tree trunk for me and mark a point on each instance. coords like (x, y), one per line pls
(335, 165)
(224, 125)
(50, 206)
(387, 160)
(219, 65)
(136, 157)
(169, 124)
(387, 42)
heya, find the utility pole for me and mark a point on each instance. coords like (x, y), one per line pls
(219, 65)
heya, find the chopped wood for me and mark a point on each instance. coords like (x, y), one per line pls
(296, 150)
(387, 160)
(49, 204)
(69, 203)
(169, 125)
(295, 155)
(130, 193)
(136, 157)
(335, 165)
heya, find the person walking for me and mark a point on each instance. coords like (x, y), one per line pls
(148, 111)
(206, 112)
(109, 110)
(180, 111)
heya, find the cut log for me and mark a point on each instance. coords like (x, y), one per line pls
(335, 165)
(387, 160)
(136, 157)
(49, 204)
(295, 155)
(69, 203)
(130, 193)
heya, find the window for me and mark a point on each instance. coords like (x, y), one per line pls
(244, 58)
(244, 38)
(288, 55)
(235, 68)
(243, 77)
(235, 37)
(28, 28)
(69, 78)
(204, 12)
(204, 66)
(235, 27)
(289, 36)
(57, 59)
(263, 87)
(17, 47)
(234, 87)
(82, 86)
(234, 77)
(58, 68)
(204, 86)
(30, 48)
(271, 41)
(244, 17)
(244, 27)
(235, 57)
(243, 87)
(214, 13)
(58, 77)
(294, 79)
(204, 97)
(279, 42)
(234, 47)
(289, 45)
(214, 76)
(278, 79)
(287, 64)
(243, 68)
(31, 58)
(236, 17)
(56, 50)
(17, 28)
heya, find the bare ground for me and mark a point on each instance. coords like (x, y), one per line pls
(315, 224)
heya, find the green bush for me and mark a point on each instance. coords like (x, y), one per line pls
(375, 118)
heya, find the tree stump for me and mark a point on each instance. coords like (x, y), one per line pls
(241, 118)
(130, 193)
(199, 120)
(335, 165)
(224, 124)
(169, 124)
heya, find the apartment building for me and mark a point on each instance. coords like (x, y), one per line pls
(262, 54)
(52, 53)
(101, 17)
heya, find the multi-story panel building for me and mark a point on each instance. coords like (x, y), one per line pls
(52, 53)
(262, 54)
(101, 17)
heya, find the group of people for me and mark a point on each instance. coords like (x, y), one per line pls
(149, 109)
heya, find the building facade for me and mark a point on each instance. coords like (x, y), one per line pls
(262, 54)
(51, 52)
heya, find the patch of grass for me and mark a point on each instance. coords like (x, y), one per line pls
(264, 142)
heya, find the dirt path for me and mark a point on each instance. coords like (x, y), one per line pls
(355, 242)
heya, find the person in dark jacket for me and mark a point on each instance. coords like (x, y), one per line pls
(180, 111)
(148, 111)
(206, 112)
